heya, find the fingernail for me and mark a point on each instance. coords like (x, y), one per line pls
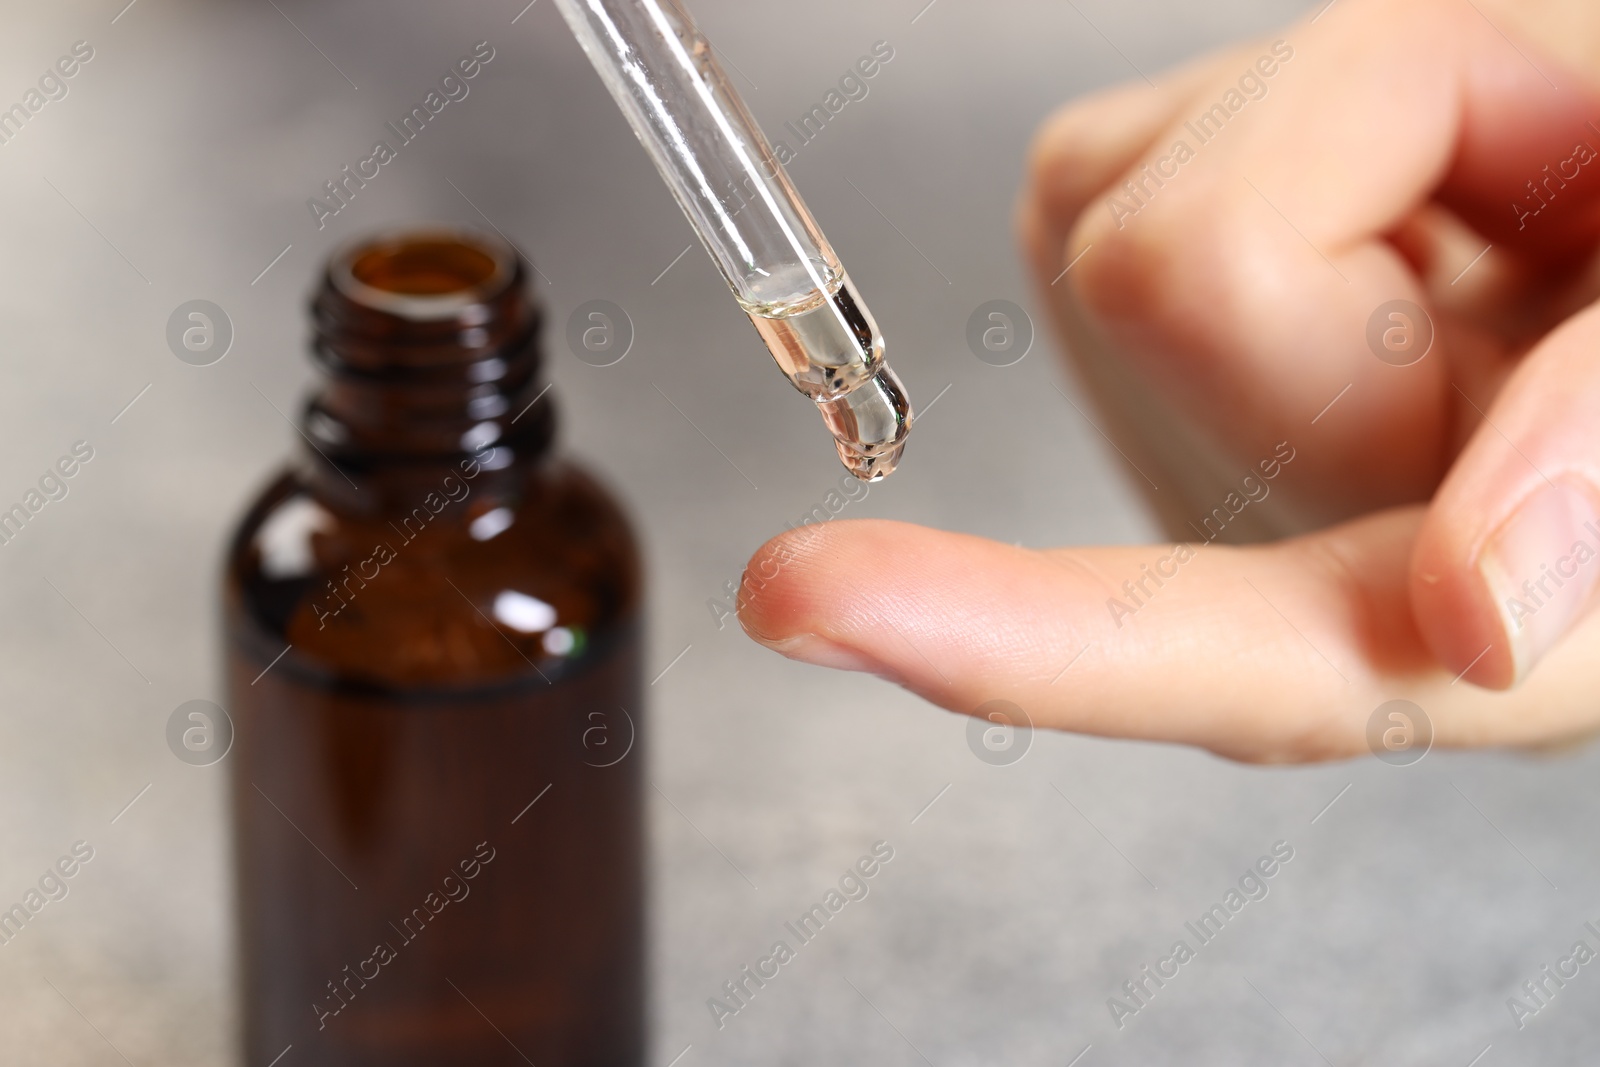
(810, 648)
(1542, 567)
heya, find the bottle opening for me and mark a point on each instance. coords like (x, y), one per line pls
(425, 275)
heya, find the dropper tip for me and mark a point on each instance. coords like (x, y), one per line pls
(870, 425)
(868, 468)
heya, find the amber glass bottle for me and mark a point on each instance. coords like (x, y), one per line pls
(433, 661)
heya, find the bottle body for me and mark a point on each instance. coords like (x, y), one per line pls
(438, 761)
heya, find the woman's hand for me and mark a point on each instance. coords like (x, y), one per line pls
(1276, 290)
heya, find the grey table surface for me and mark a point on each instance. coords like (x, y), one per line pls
(1020, 898)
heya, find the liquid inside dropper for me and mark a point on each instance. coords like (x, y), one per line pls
(831, 350)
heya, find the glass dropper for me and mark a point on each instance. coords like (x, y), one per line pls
(747, 214)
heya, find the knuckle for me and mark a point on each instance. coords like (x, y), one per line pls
(1171, 275)
(1079, 148)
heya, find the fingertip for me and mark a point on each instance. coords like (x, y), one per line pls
(791, 585)
(756, 607)
(947, 615)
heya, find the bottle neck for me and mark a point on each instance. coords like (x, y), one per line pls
(428, 349)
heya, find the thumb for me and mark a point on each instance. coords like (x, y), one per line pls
(1508, 560)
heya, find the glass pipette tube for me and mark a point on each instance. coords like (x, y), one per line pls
(723, 173)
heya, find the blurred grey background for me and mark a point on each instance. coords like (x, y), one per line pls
(178, 167)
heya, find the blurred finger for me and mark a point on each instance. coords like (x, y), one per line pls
(1085, 145)
(1241, 262)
